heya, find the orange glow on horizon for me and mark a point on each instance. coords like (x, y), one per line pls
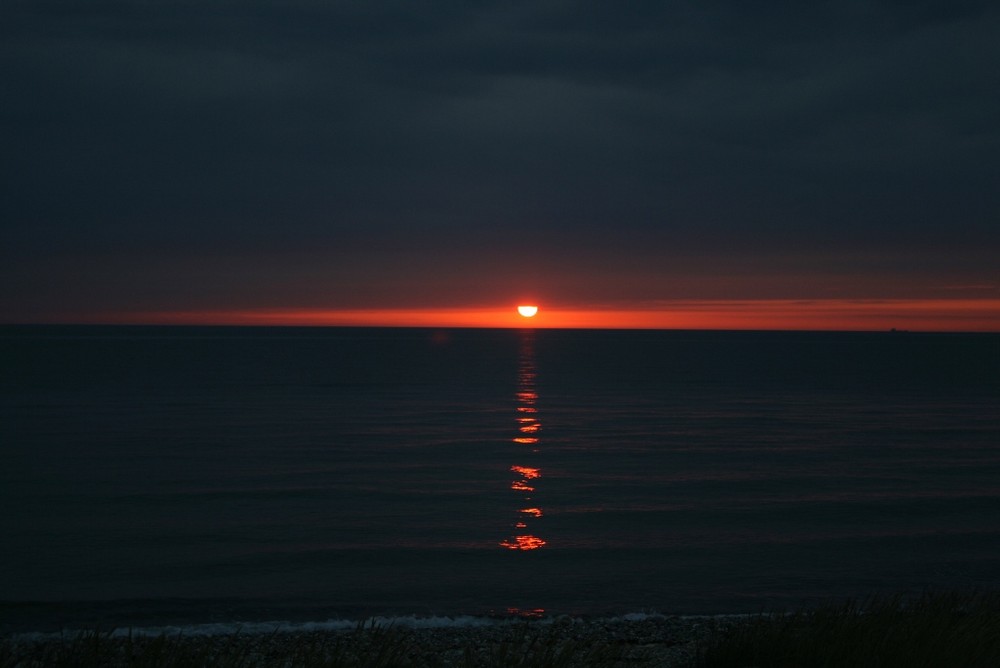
(944, 315)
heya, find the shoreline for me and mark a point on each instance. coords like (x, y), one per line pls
(936, 629)
(654, 640)
(411, 623)
(194, 617)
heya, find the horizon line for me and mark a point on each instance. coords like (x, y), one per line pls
(861, 315)
(178, 325)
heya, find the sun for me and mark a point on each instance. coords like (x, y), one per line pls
(527, 311)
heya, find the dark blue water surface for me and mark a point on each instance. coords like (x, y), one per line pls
(224, 474)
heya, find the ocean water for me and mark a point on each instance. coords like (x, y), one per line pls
(191, 476)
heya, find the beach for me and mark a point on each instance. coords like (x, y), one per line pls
(934, 630)
(653, 640)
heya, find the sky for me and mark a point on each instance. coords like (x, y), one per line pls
(750, 165)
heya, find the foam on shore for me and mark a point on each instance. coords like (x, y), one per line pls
(405, 622)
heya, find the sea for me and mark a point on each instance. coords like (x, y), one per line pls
(217, 478)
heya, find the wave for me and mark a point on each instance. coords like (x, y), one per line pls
(409, 622)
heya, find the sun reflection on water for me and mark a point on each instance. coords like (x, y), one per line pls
(528, 428)
(523, 543)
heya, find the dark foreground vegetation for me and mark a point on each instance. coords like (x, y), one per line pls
(936, 630)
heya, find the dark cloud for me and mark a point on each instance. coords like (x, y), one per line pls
(182, 147)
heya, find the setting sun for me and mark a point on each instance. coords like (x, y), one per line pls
(527, 311)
